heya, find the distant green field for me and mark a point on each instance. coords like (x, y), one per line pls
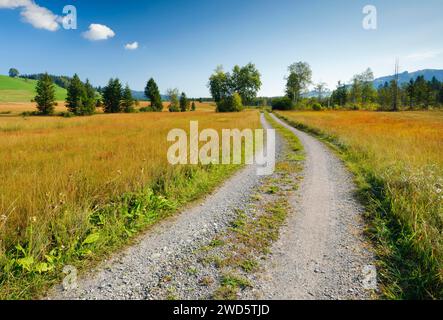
(23, 90)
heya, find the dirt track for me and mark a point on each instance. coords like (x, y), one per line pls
(322, 252)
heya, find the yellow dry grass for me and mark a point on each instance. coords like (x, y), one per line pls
(404, 152)
(15, 108)
(52, 164)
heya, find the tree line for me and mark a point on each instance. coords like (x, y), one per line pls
(390, 96)
(83, 99)
(359, 94)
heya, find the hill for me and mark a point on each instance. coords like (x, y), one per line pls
(407, 76)
(22, 90)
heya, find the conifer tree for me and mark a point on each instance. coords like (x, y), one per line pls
(127, 100)
(153, 94)
(45, 97)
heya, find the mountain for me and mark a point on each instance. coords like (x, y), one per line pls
(23, 90)
(406, 76)
(140, 95)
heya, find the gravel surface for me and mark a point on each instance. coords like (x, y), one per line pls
(322, 252)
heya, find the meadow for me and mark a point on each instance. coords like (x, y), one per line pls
(19, 90)
(74, 188)
(398, 163)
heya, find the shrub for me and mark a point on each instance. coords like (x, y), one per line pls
(317, 107)
(230, 104)
(146, 109)
(283, 103)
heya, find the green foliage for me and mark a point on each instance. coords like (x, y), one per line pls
(230, 104)
(300, 75)
(153, 94)
(45, 97)
(244, 81)
(80, 99)
(283, 103)
(112, 96)
(184, 103)
(174, 105)
(13, 73)
(193, 108)
(127, 101)
(219, 84)
(317, 107)
(339, 96)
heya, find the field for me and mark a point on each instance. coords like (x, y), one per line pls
(17, 108)
(397, 158)
(22, 90)
(72, 188)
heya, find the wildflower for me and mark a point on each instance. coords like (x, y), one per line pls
(34, 219)
(3, 217)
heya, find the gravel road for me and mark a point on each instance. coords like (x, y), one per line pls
(322, 252)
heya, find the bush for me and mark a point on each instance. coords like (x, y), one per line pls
(317, 106)
(67, 114)
(146, 109)
(230, 104)
(283, 103)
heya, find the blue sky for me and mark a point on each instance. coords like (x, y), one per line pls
(180, 42)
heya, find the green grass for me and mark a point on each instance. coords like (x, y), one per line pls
(23, 90)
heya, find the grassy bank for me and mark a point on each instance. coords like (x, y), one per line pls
(23, 90)
(396, 159)
(74, 190)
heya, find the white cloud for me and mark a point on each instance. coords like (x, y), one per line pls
(132, 46)
(39, 17)
(98, 32)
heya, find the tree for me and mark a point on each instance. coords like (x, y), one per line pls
(246, 82)
(368, 92)
(13, 73)
(127, 100)
(112, 96)
(320, 88)
(340, 95)
(174, 105)
(89, 99)
(193, 108)
(362, 90)
(153, 94)
(184, 104)
(410, 92)
(75, 94)
(298, 80)
(45, 97)
(219, 84)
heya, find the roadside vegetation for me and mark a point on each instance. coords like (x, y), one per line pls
(396, 158)
(74, 189)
